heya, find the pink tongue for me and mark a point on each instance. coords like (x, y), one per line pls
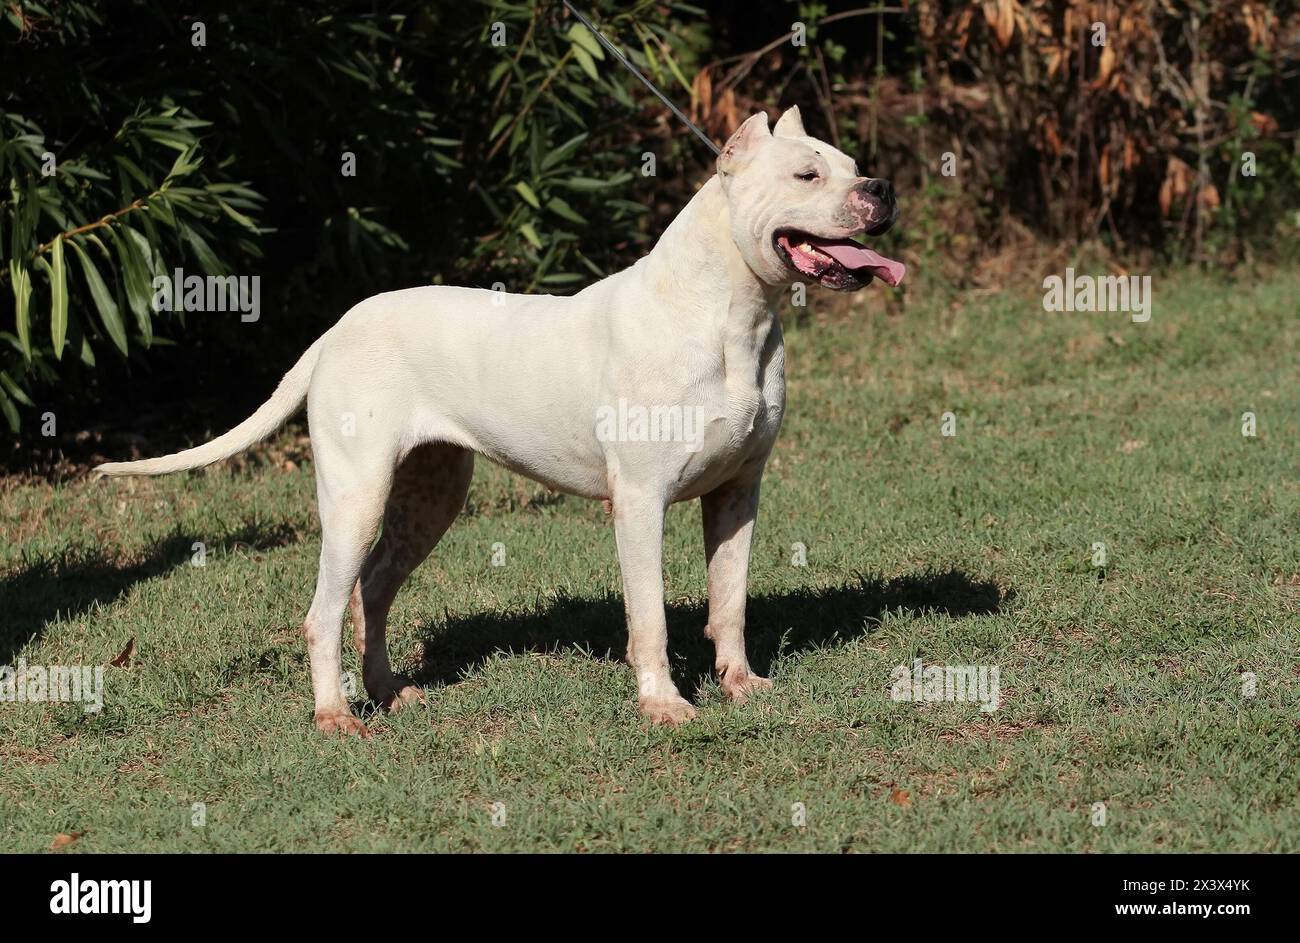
(853, 256)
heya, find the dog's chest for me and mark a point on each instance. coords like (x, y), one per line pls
(755, 396)
(748, 402)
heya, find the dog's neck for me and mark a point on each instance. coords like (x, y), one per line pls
(710, 290)
(696, 261)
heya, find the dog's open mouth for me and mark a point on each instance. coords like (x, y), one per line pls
(837, 263)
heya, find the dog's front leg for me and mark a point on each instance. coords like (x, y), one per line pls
(729, 513)
(639, 531)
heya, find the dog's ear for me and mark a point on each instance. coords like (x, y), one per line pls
(742, 145)
(790, 124)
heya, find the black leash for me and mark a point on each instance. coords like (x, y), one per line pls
(635, 71)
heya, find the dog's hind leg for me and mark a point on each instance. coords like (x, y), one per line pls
(351, 508)
(428, 492)
(729, 513)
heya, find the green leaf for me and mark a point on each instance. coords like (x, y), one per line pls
(536, 142)
(130, 169)
(582, 94)
(237, 216)
(14, 389)
(107, 307)
(590, 266)
(207, 259)
(490, 203)
(530, 234)
(581, 37)
(562, 278)
(136, 281)
(594, 183)
(588, 64)
(517, 136)
(677, 72)
(650, 58)
(577, 119)
(21, 282)
(144, 245)
(236, 190)
(80, 170)
(178, 140)
(58, 298)
(561, 208)
(525, 191)
(564, 151)
(499, 126)
(621, 96)
(159, 207)
(186, 162)
(10, 411)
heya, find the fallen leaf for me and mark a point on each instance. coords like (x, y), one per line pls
(901, 798)
(1265, 124)
(1130, 154)
(1105, 65)
(1002, 17)
(65, 840)
(1054, 59)
(1179, 177)
(123, 660)
(1166, 197)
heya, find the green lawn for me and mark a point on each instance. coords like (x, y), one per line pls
(1120, 684)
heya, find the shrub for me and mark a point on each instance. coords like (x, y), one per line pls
(215, 140)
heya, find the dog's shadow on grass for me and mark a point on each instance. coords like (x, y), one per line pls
(795, 621)
(33, 596)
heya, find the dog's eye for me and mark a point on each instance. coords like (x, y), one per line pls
(808, 175)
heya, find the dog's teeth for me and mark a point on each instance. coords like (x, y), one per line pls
(805, 247)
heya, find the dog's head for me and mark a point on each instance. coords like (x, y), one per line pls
(796, 202)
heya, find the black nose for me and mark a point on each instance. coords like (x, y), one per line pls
(881, 188)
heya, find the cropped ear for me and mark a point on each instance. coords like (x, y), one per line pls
(790, 124)
(742, 145)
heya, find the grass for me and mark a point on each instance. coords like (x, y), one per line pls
(1120, 684)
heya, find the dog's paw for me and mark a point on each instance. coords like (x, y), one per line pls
(401, 695)
(667, 711)
(394, 692)
(738, 685)
(341, 723)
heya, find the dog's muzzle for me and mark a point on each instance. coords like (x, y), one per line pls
(871, 206)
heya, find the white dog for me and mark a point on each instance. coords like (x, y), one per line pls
(410, 385)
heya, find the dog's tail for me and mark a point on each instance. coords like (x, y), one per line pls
(284, 402)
